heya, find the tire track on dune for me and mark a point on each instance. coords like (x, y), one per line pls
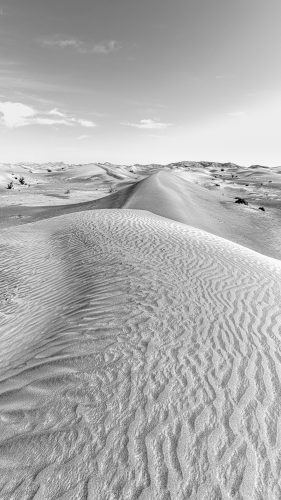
(142, 360)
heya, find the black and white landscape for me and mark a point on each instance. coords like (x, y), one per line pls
(140, 286)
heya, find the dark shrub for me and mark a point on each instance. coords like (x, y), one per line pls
(242, 201)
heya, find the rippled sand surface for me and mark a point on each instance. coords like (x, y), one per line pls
(140, 358)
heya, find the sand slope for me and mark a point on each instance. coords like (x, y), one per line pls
(171, 195)
(64, 184)
(57, 184)
(140, 358)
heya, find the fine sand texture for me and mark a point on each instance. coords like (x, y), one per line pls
(140, 359)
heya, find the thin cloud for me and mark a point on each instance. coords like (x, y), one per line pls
(85, 123)
(106, 48)
(83, 137)
(49, 121)
(17, 114)
(148, 125)
(61, 43)
(82, 47)
(56, 112)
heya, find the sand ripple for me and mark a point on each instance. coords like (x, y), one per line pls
(140, 358)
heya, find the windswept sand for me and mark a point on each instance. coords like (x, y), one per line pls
(171, 193)
(140, 358)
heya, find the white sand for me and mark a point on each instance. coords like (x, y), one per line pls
(172, 196)
(167, 193)
(140, 358)
(59, 183)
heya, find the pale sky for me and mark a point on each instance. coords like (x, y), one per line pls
(140, 81)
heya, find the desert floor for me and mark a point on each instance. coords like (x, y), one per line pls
(140, 323)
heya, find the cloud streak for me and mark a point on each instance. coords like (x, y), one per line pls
(81, 47)
(83, 137)
(17, 114)
(148, 124)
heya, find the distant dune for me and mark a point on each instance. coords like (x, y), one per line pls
(180, 194)
(140, 341)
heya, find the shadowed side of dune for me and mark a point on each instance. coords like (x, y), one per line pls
(18, 215)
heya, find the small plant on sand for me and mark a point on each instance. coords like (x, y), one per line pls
(21, 180)
(67, 191)
(262, 209)
(49, 170)
(10, 185)
(242, 201)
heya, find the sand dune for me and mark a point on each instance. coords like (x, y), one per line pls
(60, 183)
(140, 358)
(64, 184)
(172, 195)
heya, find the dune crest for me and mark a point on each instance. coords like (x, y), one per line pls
(158, 375)
(173, 195)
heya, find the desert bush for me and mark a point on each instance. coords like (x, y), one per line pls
(242, 201)
(262, 209)
(10, 185)
(21, 180)
(67, 191)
